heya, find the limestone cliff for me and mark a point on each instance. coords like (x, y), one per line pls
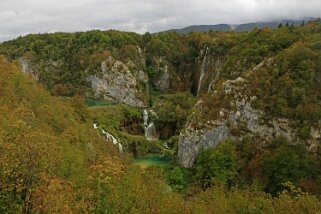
(240, 119)
(115, 82)
(117, 78)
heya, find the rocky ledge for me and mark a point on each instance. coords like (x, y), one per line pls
(116, 83)
(254, 122)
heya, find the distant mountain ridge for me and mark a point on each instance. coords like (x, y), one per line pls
(240, 27)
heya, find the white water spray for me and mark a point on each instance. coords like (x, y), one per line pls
(110, 137)
(203, 68)
(145, 116)
(120, 148)
(150, 130)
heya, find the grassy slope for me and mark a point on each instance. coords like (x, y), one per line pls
(47, 146)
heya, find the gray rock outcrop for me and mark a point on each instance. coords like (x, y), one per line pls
(116, 83)
(190, 144)
(241, 114)
(163, 82)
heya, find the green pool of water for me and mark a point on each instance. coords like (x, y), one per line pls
(97, 103)
(150, 160)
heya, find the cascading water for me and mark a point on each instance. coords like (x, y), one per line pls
(150, 130)
(212, 84)
(110, 137)
(120, 148)
(145, 117)
(165, 146)
(203, 68)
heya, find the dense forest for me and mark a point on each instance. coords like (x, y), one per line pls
(54, 161)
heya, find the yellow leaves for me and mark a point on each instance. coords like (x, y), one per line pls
(43, 147)
(143, 192)
(178, 110)
(71, 135)
(61, 90)
(302, 203)
(26, 152)
(107, 169)
(53, 195)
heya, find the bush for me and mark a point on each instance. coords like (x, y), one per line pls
(220, 163)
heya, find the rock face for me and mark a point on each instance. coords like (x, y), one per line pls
(35, 68)
(192, 141)
(126, 80)
(190, 144)
(116, 83)
(241, 114)
(196, 77)
(208, 68)
(164, 80)
(114, 80)
(27, 68)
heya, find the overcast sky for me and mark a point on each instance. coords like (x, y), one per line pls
(20, 17)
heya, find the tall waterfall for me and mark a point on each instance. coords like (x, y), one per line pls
(217, 70)
(150, 130)
(203, 68)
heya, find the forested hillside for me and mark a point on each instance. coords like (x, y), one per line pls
(240, 27)
(52, 159)
(237, 116)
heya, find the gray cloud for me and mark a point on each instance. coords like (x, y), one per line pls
(20, 17)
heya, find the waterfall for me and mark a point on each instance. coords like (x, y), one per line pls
(147, 90)
(217, 70)
(166, 146)
(109, 137)
(145, 116)
(120, 148)
(211, 86)
(203, 68)
(150, 132)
